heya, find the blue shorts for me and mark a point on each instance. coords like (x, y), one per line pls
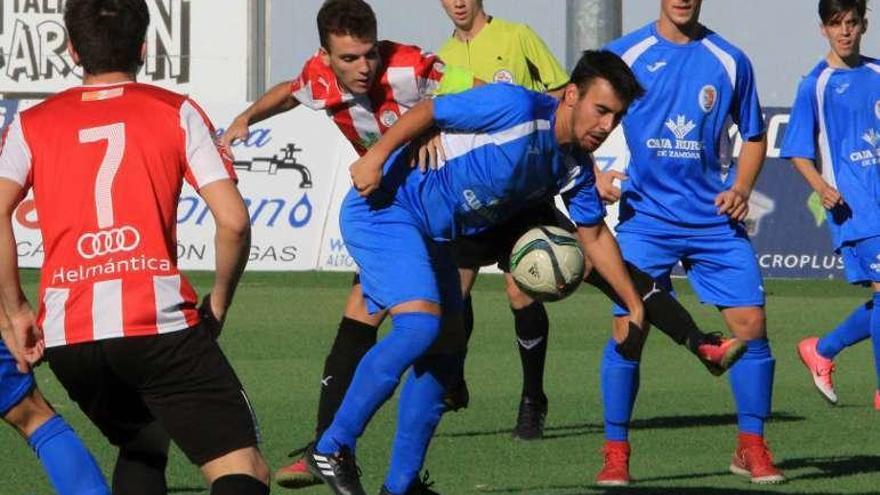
(14, 386)
(722, 270)
(398, 262)
(861, 260)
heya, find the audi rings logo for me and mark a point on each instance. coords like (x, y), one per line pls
(104, 242)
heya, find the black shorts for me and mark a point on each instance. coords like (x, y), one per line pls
(495, 245)
(182, 379)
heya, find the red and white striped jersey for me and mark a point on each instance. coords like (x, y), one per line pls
(406, 76)
(106, 164)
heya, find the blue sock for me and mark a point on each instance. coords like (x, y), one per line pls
(68, 464)
(875, 335)
(377, 376)
(854, 329)
(751, 379)
(620, 384)
(419, 411)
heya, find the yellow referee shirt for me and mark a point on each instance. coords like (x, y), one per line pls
(506, 52)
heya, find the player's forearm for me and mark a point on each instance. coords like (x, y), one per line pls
(411, 125)
(232, 245)
(273, 102)
(807, 169)
(751, 160)
(601, 248)
(13, 298)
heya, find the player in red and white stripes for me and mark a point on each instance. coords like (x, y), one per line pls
(119, 325)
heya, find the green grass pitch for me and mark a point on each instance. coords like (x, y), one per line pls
(282, 325)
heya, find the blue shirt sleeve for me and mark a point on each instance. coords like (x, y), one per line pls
(746, 108)
(582, 199)
(802, 129)
(486, 108)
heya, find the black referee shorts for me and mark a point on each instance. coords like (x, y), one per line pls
(494, 246)
(182, 379)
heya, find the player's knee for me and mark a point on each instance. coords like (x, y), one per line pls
(748, 324)
(518, 299)
(247, 461)
(30, 413)
(151, 443)
(633, 342)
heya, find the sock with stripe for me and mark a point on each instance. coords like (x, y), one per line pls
(353, 340)
(532, 328)
(377, 376)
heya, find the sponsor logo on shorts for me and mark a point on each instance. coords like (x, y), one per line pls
(707, 98)
(109, 241)
(503, 76)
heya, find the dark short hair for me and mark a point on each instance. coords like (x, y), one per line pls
(606, 65)
(107, 34)
(831, 10)
(353, 18)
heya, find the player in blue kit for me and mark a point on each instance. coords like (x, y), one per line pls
(681, 202)
(70, 467)
(835, 119)
(506, 148)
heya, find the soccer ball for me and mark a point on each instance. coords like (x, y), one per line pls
(547, 263)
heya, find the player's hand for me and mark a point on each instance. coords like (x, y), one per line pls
(238, 129)
(212, 316)
(733, 203)
(830, 197)
(427, 151)
(608, 192)
(366, 172)
(24, 338)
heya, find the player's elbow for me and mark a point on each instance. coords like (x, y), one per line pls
(235, 223)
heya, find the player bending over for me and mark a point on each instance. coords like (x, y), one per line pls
(506, 148)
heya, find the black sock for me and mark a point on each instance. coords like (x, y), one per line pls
(532, 327)
(140, 466)
(467, 315)
(238, 484)
(661, 309)
(353, 340)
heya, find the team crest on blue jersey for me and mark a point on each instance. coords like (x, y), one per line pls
(503, 76)
(708, 95)
(388, 118)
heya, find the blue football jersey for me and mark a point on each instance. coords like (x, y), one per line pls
(501, 156)
(835, 120)
(676, 132)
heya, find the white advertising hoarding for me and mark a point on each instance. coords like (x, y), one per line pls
(192, 46)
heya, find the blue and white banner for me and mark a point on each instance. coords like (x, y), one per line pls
(293, 174)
